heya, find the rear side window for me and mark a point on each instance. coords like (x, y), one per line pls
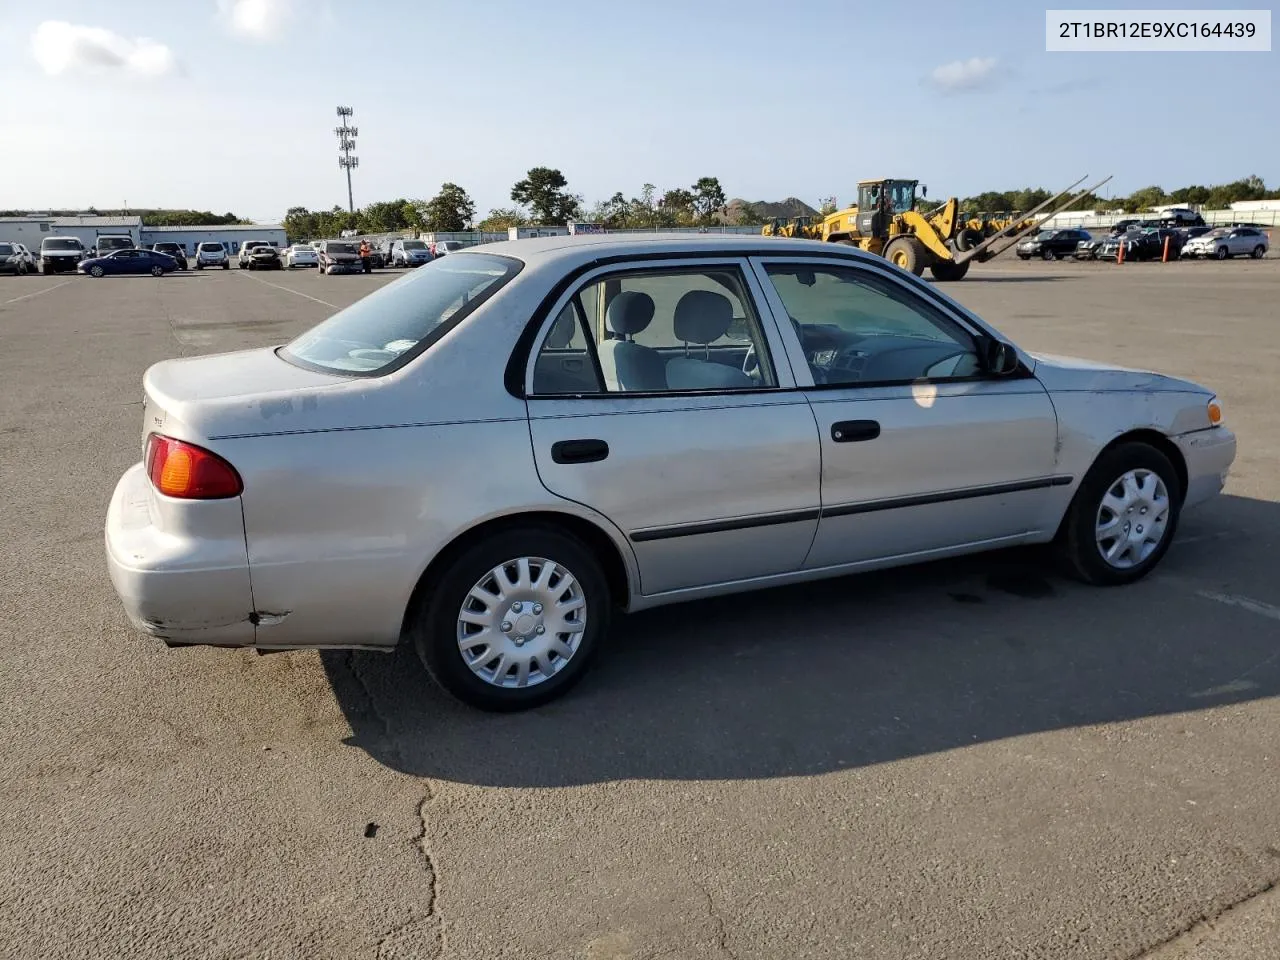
(386, 329)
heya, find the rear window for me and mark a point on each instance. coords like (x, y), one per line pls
(383, 331)
(7, 250)
(211, 247)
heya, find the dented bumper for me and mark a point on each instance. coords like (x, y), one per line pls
(180, 567)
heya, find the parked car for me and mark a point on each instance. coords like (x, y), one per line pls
(1227, 242)
(441, 247)
(301, 255)
(410, 253)
(174, 250)
(1190, 233)
(1052, 244)
(12, 260)
(135, 261)
(33, 262)
(108, 243)
(59, 254)
(453, 463)
(210, 253)
(384, 251)
(1142, 244)
(340, 256)
(246, 251)
(263, 256)
(1088, 249)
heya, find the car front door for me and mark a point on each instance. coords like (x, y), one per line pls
(922, 450)
(639, 408)
(122, 261)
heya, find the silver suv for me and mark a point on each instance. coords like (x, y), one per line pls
(212, 254)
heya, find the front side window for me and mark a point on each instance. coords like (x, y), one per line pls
(382, 331)
(658, 330)
(859, 328)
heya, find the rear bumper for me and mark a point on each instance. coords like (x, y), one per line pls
(180, 568)
(1209, 455)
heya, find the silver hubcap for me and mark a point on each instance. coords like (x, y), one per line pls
(522, 622)
(1132, 519)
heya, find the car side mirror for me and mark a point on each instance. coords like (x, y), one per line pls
(1000, 358)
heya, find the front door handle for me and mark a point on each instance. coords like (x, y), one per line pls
(851, 431)
(579, 451)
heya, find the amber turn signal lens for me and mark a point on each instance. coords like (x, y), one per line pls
(1215, 413)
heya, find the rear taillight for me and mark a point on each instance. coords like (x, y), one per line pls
(183, 470)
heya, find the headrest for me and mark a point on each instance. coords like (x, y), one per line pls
(702, 317)
(561, 331)
(629, 312)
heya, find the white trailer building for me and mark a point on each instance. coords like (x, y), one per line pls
(231, 236)
(32, 229)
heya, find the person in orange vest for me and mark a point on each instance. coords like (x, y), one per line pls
(365, 253)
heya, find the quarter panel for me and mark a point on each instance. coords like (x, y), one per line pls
(340, 525)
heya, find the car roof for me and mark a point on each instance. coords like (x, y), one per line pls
(547, 250)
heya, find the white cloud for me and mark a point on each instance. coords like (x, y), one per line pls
(257, 19)
(964, 74)
(60, 47)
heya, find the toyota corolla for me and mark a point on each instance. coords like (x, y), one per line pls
(489, 456)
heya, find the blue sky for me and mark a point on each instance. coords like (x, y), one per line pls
(229, 104)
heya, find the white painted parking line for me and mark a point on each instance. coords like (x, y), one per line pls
(28, 296)
(291, 290)
(1244, 603)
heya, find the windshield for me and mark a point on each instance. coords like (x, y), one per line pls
(211, 247)
(902, 195)
(1220, 232)
(1046, 234)
(372, 334)
(414, 245)
(61, 243)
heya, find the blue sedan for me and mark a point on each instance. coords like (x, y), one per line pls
(130, 261)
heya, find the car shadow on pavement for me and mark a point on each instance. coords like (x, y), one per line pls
(855, 671)
(1038, 278)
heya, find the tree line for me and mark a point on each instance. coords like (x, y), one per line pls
(1215, 197)
(158, 217)
(541, 197)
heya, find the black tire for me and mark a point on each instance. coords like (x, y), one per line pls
(96, 271)
(1077, 542)
(1221, 253)
(947, 271)
(967, 239)
(1024, 256)
(433, 625)
(199, 265)
(226, 265)
(157, 271)
(906, 253)
(1047, 255)
(1259, 252)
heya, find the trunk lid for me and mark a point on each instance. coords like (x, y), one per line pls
(241, 393)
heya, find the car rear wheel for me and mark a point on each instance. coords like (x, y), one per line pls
(1123, 516)
(96, 271)
(157, 271)
(1259, 252)
(1222, 253)
(515, 620)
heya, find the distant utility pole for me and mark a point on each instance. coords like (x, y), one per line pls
(346, 143)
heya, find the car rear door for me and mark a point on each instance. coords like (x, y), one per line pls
(711, 473)
(922, 452)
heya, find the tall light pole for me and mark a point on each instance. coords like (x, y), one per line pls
(346, 143)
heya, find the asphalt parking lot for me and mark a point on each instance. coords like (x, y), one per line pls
(971, 759)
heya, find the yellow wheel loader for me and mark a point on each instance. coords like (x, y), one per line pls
(888, 220)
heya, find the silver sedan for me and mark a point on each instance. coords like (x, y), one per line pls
(490, 455)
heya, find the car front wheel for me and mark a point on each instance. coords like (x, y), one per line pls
(96, 271)
(1048, 255)
(515, 620)
(157, 271)
(1123, 516)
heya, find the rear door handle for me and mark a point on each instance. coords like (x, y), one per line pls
(579, 451)
(851, 431)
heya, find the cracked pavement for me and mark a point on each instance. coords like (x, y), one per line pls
(973, 759)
